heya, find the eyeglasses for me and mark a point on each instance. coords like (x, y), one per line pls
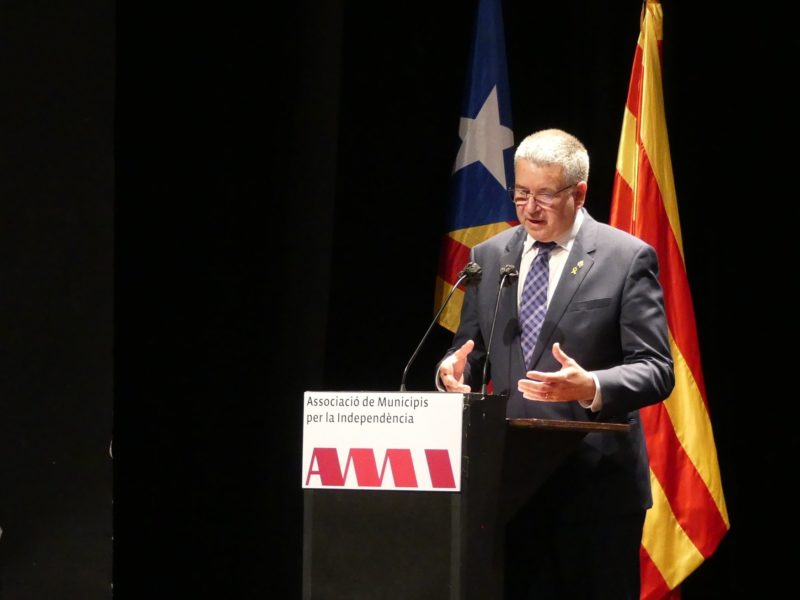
(520, 196)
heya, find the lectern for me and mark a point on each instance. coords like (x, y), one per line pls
(385, 545)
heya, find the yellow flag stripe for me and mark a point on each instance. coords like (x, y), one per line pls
(692, 425)
(628, 149)
(653, 130)
(451, 315)
(670, 549)
(472, 236)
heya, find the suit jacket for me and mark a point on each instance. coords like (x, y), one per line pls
(607, 312)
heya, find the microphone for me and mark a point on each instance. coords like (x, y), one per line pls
(469, 274)
(507, 275)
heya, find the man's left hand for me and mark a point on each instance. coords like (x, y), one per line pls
(569, 383)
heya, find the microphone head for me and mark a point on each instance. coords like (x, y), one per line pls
(508, 274)
(471, 272)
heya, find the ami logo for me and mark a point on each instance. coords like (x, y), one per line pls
(325, 465)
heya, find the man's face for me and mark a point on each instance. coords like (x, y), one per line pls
(547, 223)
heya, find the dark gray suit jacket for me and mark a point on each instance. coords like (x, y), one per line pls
(607, 313)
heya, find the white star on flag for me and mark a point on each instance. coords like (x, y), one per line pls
(483, 140)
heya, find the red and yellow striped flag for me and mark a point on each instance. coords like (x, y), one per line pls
(689, 517)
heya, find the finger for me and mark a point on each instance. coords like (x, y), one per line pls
(465, 349)
(531, 387)
(541, 376)
(560, 355)
(528, 390)
(449, 380)
(530, 393)
(453, 385)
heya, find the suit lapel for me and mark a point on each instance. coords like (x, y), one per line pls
(508, 303)
(512, 255)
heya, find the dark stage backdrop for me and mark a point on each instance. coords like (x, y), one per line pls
(56, 317)
(282, 181)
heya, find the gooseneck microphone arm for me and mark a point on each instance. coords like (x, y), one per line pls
(470, 273)
(507, 275)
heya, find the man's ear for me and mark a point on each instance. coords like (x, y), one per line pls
(580, 193)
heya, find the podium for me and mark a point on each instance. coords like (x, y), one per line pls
(387, 545)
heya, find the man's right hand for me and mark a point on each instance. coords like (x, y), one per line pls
(451, 371)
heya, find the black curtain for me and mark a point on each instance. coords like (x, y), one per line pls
(56, 303)
(282, 182)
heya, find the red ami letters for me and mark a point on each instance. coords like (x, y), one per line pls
(325, 465)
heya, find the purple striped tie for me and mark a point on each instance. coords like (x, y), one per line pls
(533, 304)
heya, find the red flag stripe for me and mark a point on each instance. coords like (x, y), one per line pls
(453, 257)
(673, 272)
(456, 246)
(635, 85)
(455, 253)
(654, 227)
(688, 494)
(622, 206)
(653, 584)
(689, 517)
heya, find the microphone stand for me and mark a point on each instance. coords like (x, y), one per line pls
(507, 274)
(470, 272)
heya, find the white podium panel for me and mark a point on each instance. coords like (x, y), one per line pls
(382, 440)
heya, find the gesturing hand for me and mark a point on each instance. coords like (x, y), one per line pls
(570, 382)
(451, 370)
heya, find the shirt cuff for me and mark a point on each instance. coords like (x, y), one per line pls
(438, 381)
(597, 402)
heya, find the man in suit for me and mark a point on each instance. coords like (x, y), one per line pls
(596, 349)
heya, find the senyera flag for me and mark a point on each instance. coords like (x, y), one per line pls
(689, 517)
(480, 206)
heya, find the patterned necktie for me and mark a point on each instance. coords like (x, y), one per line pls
(533, 304)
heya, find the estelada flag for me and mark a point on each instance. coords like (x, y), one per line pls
(689, 517)
(480, 206)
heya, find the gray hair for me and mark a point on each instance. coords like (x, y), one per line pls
(556, 147)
